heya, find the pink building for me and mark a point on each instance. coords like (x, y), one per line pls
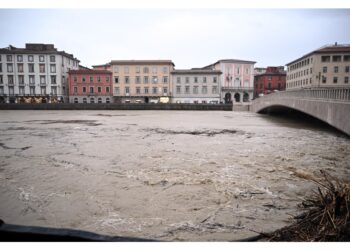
(90, 86)
(237, 80)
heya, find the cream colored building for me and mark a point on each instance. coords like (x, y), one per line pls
(141, 81)
(328, 67)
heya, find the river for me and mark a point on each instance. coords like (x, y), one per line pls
(163, 175)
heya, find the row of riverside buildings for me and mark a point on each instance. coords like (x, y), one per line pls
(39, 73)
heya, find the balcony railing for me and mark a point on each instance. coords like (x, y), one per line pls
(239, 89)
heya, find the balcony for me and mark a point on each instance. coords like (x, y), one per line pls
(238, 89)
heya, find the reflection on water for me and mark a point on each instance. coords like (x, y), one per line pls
(178, 175)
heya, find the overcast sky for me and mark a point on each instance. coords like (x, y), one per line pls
(191, 38)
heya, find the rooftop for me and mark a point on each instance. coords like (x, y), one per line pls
(195, 71)
(327, 49)
(141, 62)
(35, 48)
(89, 71)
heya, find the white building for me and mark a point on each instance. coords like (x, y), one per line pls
(196, 86)
(34, 74)
(327, 67)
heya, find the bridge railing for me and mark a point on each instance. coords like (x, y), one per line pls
(331, 94)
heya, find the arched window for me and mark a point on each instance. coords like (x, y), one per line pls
(107, 100)
(75, 100)
(92, 100)
(99, 100)
(84, 100)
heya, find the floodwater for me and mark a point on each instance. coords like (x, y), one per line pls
(163, 175)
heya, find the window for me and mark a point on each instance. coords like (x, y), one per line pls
(154, 79)
(215, 79)
(84, 100)
(126, 79)
(43, 90)
(195, 79)
(9, 67)
(99, 89)
(178, 89)
(98, 79)
(346, 58)
(127, 90)
(165, 79)
(99, 100)
(146, 90)
(137, 80)
(52, 59)
(204, 79)
(137, 69)
(107, 100)
(204, 90)
(187, 89)
(75, 100)
(42, 68)
(336, 69)
(75, 90)
(165, 70)
(54, 90)
(346, 79)
(1, 80)
(107, 89)
(91, 90)
(20, 67)
(325, 58)
(116, 69)
(336, 59)
(346, 69)
(237, 71)
(269, 85)
(11, 91)
(32, 90)
(116, 79)
(41, 59)
(21, 79)
(324, 79)
(107, 78)
(84, 89)
(195, 89)
(138, 90)
(145, 70)
(20, 58)
(53, 68)
(31, 80)
(154, 90)
(31, 68)
(324, 69)
(91, 79)
(21, 90)
(269, 78)
(335, 79)
(310, 80)
(30, 58)
(165, 91)
(310, 70)
(9, 58)
(10, 79)
(116, 91)
(92, 100)
(1, 90)
(247, 71)
(178, 79)
(0, 67)
(126, 69)
(187, 79)
(42, 80)
(154, 70)
(145, 79)
(83, 79)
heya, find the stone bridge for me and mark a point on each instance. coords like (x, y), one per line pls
(329, 105)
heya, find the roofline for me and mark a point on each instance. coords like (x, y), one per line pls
(236, 60)
(196, 71)
(89, 71)
(148, 62)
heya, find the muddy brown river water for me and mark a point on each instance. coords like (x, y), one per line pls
(164, 175)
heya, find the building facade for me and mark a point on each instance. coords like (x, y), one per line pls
(141, 81)
(35, 74)
(90, 86)
(274, 79)
(237, 80)
(327, 67)
(195, 86)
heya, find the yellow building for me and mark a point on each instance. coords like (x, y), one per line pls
(327, 67)
(141, 81)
